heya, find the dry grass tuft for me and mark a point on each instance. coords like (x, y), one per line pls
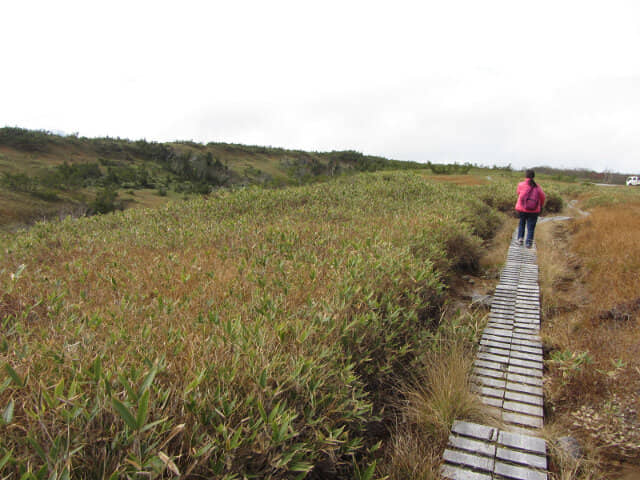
(412, 457)
(432, 400)
(444, 394)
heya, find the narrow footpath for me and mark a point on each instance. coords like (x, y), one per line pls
(508, 376)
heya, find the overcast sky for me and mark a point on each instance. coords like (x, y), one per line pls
(488, 82)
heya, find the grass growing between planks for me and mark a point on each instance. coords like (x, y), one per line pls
(254, 334)
(590, 285)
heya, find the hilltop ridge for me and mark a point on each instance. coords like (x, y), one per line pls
(44, 174)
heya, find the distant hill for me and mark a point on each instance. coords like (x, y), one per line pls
(43, 174)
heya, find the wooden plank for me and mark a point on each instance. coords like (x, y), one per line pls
(516, 378)
(518, 473)
(488, 391)
(524, 398)
(469, 460)
(485, 372)
(530, 372)
(522, 442)
(474, 430)
(520, 419)
(526, 459)
(521, 387)
(456, 473)
(489, 381)
(524, 408)
(489, 365)
(519, 362)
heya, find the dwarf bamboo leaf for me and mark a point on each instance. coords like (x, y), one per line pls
(133, 395)
(124, 412)
(367, 474)
(7, 415)
(5, 459)
(143, 410)
(151, 425)
(148, 380)
(59, 390)
(38, 449)
(17, 379)
(301, 466)
(262, 381)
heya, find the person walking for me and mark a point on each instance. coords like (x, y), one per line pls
(530, 201)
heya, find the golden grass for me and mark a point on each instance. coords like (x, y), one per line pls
(590, 280)
(443, 394)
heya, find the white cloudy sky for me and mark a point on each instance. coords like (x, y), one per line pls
(489, 82)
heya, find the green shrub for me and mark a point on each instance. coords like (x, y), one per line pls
(105, 201)
(47, 195)
(553, 203)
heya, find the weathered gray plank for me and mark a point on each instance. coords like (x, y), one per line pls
(520, 419)
(522, 442)
(471, 445)
(489, 381)
(496, 343)
(524, 408)
(456, 473)
(517, 361)
(521, 387)
(524, 398)
(485, 372)
(504, 352)
(527, 459)
(516, 378)
(474, 430)
(493, 358)
(518, 473)
(492, 401)
(470, 460)
(531, 357)
(490, 365)
(530, 372)
(488, 391)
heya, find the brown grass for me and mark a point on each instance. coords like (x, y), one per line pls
(590, 278)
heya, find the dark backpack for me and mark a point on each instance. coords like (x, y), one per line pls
(532, 199)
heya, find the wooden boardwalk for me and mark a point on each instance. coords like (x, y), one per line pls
(508, 376)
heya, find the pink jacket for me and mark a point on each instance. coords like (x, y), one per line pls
(523, 189)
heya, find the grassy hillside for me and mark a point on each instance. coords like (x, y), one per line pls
(250, 334)
(44, 175)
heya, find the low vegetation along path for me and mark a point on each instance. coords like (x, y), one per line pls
(508, 377)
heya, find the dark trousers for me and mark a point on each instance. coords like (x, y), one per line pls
(530, 220)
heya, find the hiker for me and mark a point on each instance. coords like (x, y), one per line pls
(530, 201)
